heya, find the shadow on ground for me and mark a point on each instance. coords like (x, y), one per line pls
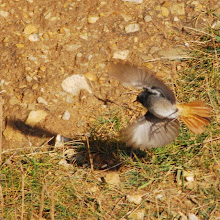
(82, 151)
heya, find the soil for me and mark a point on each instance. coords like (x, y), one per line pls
(65, 40)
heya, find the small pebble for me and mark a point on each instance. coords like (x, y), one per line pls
(193, 217)
(72, 47)
(34, 37)
(91, 76)
(137, 214)
(4, 14)
(131, 28)
(122, 55)
(165, 11)
(93, 19)
(74, 84)
(177, 9)
(136, 199)
(64, 163)
(66, 115)
(134, 1)
(30, 29)
(148, 18)
(42, 101)
(28, 78)
(35, 117)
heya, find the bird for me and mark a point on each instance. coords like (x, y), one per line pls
(160, 125)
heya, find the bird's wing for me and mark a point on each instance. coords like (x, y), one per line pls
(140, 78)
(149, 132)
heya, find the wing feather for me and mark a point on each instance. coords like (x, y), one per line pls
(140, 78)
(149, 132)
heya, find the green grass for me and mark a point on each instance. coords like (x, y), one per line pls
(35, 181)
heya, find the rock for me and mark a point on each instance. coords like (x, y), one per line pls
(91, 76)
(122, 54)
(66, 115)
(72, 47)
(134, 1)
(61, 140)
(74, 84)
(126, 17)
(197, 6)
(35, 117)
(93, 19)
(165, 11)
(94, 189)
(28, 78)
(189, 176)
(131, 28)
(64, 163)
(84, 36)
(42, 100)
(148, 18)
(154, 50)
(4, 14)
(193, 217)
(175, 53)
(19, 45)
(14, 101)
(34, 37)
(136, 199)
(177, 9)
(112, 178)
(159, 196)
(137, 214)
(30, 29)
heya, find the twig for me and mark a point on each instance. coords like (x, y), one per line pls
(42, 201)
(22, 192)
(52, 210)
(90, 155)
(200, 31)
(1, 203)
(1, 115)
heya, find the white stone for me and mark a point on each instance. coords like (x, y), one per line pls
(4, 14)
(136, 199)
(93, 19)
(131, 28)
(126, 17)
(66, 115)
(74, 84)
(177, 9)
(72, 47)
(122, 54)
(148, 18)
(192, 217)
(32, 58)
(84, 36)
(35, 117)
(42, 101)
(134, 1)
(176, 19)
(28, 78)
(64, 163)
(34, 37)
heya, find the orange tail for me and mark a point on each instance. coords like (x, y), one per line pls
(195, 115)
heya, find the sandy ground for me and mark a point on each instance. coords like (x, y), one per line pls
(44, 42)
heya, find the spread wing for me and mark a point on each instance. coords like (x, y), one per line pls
(149, 132)
(140, 78)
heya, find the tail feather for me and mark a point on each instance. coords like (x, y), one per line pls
(196, 115)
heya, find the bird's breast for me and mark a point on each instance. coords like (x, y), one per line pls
(162, 108)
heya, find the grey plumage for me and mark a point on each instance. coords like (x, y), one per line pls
(159, 126)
